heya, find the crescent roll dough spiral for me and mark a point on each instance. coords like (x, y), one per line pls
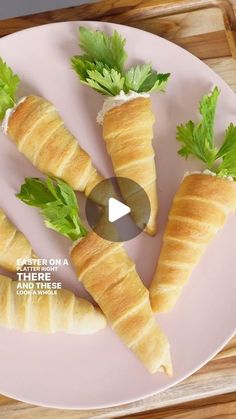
(128, 133)
(199, 210)
(47, 313)
(13, 244)
(40, 134)
(110, 277)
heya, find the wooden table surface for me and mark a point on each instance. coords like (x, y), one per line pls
(211, 392)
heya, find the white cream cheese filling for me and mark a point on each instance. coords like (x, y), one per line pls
(207, 172)
(74, 244)
(114, 101)
(9, 113)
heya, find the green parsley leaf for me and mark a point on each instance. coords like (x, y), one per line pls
(98, 46)
(57, 203)
(228, 153)
(8, 86)
(185, 135)
(143, 78)
(102, 66)
(110, 82)
(198, 139)
(35, 192)
(228, 165)
(155, 82)
(207, 109)
(229, 144)
(81, 67)
(136, 76)
(101, 78)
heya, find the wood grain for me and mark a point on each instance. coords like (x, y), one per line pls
(192, 23)
(221, 407)
(204, 42)
(228, 351)
(216, 378)
(184, 24)
(210, 392)
(93, 11)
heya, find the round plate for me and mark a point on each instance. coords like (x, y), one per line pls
(96, 371)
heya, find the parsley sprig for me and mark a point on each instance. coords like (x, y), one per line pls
(198, 139)
(102, 66)
(98, 46)
(8, 87)
(57, 204)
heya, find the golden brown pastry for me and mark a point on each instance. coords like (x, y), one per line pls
(13, 244)
(128, 133)
(48, 313)
(110, 277)
(199, 210)
(40, 134)
(63, 312)
(126, 115)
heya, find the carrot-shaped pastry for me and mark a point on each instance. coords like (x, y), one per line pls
(126, 116)
(49, 313)
(62, 312)
(200, 206)
(38, 131)
(13, 244)
(106, 271)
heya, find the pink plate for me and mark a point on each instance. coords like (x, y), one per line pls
(97, 370)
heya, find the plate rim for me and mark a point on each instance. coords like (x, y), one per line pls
(221, 345)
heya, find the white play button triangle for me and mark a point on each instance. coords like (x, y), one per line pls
(114, 218)
(116, 210)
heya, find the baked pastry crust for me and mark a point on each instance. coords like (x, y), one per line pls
(199, 210)
(110, 277)
(40, 134)
(63, 312)
(128, 133)
(13, 244)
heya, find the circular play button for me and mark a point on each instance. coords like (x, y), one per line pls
(124, 212)
(116, 210)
